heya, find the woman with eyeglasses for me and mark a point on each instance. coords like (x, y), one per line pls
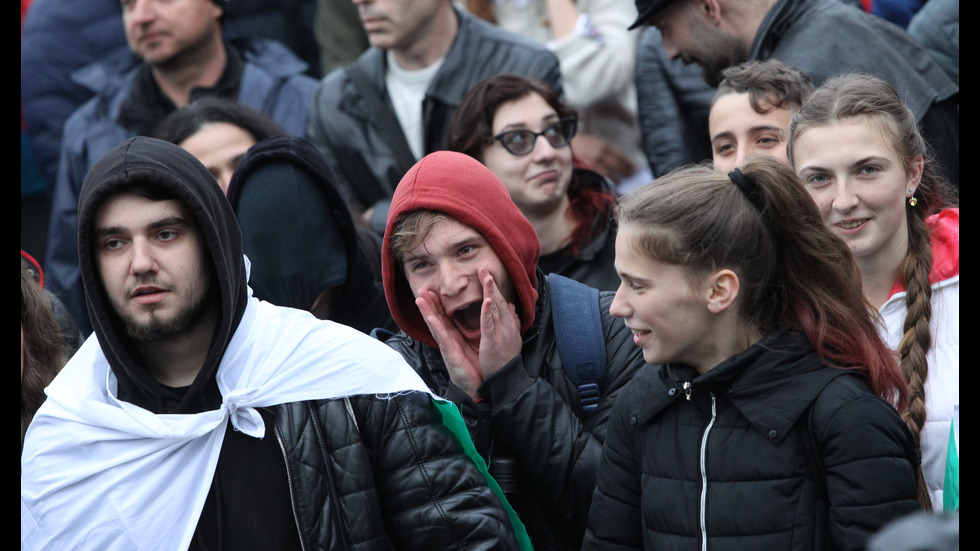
(519, 129)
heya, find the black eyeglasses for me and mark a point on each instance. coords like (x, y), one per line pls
(521, 142)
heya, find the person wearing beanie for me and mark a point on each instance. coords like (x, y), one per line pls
(460, 273)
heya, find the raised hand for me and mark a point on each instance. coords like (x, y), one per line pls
(500, 328)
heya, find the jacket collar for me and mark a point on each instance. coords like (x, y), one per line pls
(945, 244)
(771, 383)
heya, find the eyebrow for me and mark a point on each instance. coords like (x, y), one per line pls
(162, 223)
(752, 130)
(550, 119)
(859, 162)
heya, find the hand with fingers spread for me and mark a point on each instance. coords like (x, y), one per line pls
(500, 336)
(462, 359)
(469, 363)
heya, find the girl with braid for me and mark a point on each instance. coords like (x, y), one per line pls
(862, 159)
(766, 417)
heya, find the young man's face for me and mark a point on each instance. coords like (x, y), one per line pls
(447, 262)
(159, 31)
(152, 262)
(737, 131)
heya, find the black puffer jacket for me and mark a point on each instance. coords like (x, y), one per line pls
(716, 461)
(372, 472)
(533, 414)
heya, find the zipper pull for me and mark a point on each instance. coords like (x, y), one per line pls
(687, 390)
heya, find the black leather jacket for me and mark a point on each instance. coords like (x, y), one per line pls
(370, 472)
(531, 412)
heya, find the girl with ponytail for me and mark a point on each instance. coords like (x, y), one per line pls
(764, 419)
(862, 159)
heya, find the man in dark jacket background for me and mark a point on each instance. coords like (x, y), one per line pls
(460, 272)
(177, 52)
(199, 417)
(820, 37)
(374, 119)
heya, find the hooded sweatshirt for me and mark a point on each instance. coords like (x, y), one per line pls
(462, 187)
(114, 460)
(530, 411)
(300, 236)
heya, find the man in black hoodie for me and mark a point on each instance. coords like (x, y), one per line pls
(307, 249)
(160, 433)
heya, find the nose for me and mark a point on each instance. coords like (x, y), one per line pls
(543, 149)
(741, 154)
(142, 260)
(844, 197)
(452, 279)
(619, 308)
(224, 180)
(141, 11)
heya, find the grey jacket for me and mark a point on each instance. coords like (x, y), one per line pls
(674, 102)
(827, 38)
(364, 143)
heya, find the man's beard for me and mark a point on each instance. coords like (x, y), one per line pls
(162, 330)
(718, 51)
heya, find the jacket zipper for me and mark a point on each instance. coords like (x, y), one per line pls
(289, 484)
(704, 471)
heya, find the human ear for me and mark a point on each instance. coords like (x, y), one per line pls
(916, 168)
(712, 10)
(721, 290)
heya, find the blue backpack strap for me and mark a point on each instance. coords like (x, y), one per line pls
(578, 332)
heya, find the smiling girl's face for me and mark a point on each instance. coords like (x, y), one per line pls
(860, 185)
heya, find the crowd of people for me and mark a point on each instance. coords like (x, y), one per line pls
(311, 277)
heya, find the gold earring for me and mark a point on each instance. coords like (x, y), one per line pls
(912, 200)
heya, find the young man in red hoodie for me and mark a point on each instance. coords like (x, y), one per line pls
(460, 273)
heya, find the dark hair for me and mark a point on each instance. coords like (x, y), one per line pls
(770, 84)
(471, 130)
(472, 123)
(861, 95)
(188, 120)
(792, 268)
(44, 347)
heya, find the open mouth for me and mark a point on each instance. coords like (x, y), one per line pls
(468, 319)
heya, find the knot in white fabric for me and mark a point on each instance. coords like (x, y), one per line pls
(237, 405)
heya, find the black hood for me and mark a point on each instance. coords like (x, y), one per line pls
(300, 236)
(151, 161)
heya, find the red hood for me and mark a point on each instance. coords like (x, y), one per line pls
(945, 240)
(466, 190)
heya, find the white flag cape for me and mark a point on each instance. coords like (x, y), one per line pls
(103, 474)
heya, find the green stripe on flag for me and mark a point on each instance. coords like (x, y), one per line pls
(453, 420)
(951, 485)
